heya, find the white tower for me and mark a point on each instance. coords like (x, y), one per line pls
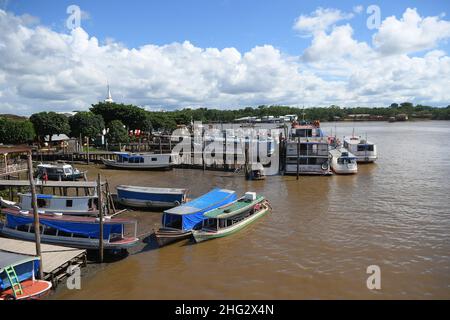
(109, 99)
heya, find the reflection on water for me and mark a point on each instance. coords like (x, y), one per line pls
(320, 237)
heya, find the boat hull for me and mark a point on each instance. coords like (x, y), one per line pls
(143, 199)
(81, 243)
(167, 236)
(135, 166)
(201, 235)
(32, 289)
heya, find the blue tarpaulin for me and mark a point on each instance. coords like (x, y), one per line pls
(192, 212)
(78, 228)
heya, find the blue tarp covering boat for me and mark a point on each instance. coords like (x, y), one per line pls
(80, 228)
(191, 213)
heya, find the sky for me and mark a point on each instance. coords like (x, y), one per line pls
(165, 55)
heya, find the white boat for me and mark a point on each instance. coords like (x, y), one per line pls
(148, 197)
(67, 205)
(139, 161)
(57, 172)
(364, 150)
(343, 162)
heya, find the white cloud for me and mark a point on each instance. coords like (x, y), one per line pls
(41, 69)
(411, 33)
(320, 20)
(358, 9)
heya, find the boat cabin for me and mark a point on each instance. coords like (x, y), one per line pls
(84, 205)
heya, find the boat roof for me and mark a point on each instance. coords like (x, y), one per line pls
(357, 140)
(67, 218)
(50, 196)
(151, 189)
(49, 165)
(233, 208)
(203, 202)
(339, 151)
(14, 259)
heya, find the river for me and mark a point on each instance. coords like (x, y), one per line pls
(320, 238)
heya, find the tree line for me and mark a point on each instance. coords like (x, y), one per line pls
(119, 119)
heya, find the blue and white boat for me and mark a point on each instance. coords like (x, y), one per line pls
(139, 161)
(148, 197)
(178, 222)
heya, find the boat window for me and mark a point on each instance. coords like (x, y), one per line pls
(42, 203)
(222, 223)
(23, 228)
(64, 234)
(211, 223)
(67, 170)
(312, 160)
(69, 203)
(90, 203)
(50, 231)
(154, 159)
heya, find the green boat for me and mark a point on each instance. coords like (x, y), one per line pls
(233, 217)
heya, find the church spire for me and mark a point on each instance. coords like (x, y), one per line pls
(109, 99)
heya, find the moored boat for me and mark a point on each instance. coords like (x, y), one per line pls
(139, 161)
(149, 197)
(68, 205)
(57, 172)
(364, 150)
(232, 217)
(343, 162)
(72, 231)
(178, 222)
(17, 277)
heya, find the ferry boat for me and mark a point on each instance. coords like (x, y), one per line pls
(343, 162)
(68, 205)
(57, 172)
(232, 217)
(72, 231)
(178, 222)
(139, 161)
(313, 156)
(364, 150)
(17, 277)
(148, 197)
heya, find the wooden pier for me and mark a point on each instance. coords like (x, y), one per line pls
(55, 259)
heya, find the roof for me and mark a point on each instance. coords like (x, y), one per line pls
(13, 259)
(57, 137)
(14, 149)
(338, 152)
(233, 208)
(203, 202)
(357, 140)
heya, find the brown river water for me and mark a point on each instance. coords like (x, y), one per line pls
(320, 238)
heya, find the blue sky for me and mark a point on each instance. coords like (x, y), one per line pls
(165, 55)
(242, 24)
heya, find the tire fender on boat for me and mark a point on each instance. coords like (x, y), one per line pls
(177, 203)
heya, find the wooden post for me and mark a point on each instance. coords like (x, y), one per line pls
(100, 214)
(298, 157)
(37, 234)
(87, 151)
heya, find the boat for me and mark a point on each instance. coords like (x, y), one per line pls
(343, 162)
(17, 277)
(307, 149)
(58, 172)
(256, 172)
(178, 222)
(139, 161)
(226, 220)
(72, 231)
(364, 150)
(148, 197)
(47, 203)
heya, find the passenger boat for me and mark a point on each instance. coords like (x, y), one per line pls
(17, 277)
(178, 222)
(313, 156)
(148, 197)
(68, 205)
(364, 151)
(139, 161)
(72, 231)
(57, 172)
(226, 220)
(343, 162)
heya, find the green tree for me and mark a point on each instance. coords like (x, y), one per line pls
(117, 133)
(16, 131)
(49, 123)
(131, 116)
(86, 124)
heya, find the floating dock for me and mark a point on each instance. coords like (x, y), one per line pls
(55, 259)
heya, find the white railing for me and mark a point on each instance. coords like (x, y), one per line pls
(13, 168)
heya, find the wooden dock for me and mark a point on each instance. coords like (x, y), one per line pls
(56, 259)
